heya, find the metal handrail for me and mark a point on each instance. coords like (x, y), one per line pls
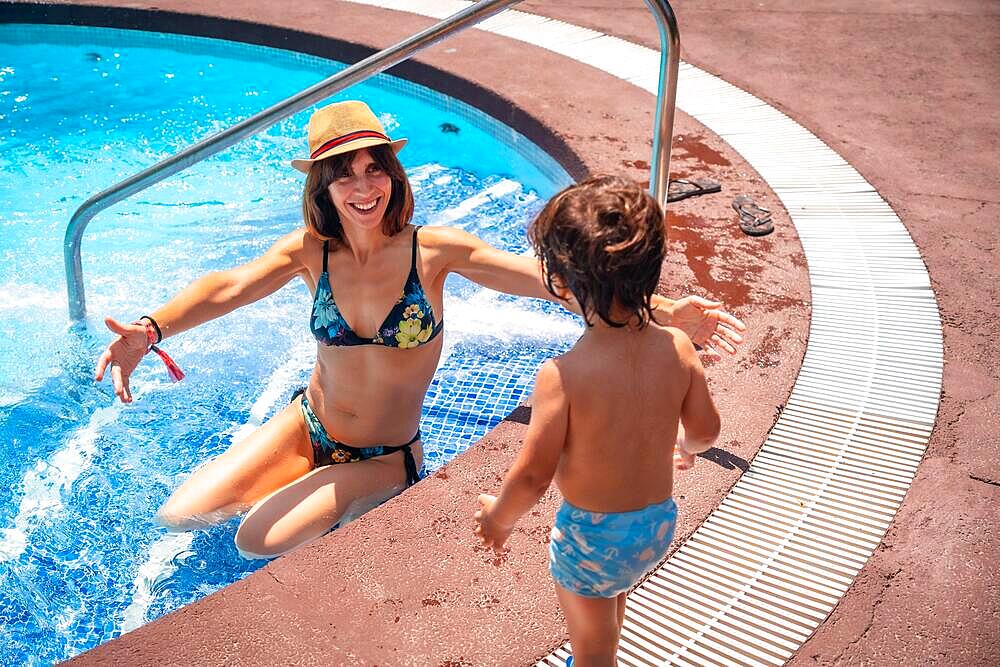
(356, 73)
(670, 58)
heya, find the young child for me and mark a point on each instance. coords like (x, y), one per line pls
(605, 415)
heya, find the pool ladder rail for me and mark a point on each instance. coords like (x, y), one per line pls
(374, 64)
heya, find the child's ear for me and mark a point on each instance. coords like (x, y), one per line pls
(560, 289)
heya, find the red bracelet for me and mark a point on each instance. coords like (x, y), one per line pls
(149, 320)
(152, 338)
(150, 333)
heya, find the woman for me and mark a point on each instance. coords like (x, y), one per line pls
(340, 441)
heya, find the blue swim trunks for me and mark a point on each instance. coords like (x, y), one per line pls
(602, 554)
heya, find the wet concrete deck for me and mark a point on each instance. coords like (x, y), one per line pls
(907, 95)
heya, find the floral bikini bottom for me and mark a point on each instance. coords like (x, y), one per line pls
(329, 451)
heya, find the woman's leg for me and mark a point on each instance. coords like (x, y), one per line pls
(309, 507)
(272, 456)
(593, 628)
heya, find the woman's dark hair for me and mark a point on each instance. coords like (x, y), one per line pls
(321, 217)
(604, 240)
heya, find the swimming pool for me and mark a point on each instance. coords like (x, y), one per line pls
(80, 559)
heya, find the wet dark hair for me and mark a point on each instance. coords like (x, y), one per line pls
(604, 240)
(318, 211)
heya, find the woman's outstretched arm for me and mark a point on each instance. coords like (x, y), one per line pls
(213, 295)
(701, 319)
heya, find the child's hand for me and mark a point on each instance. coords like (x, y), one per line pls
(683, 460)
(490, 533)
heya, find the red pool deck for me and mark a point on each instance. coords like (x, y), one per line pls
(907, 93)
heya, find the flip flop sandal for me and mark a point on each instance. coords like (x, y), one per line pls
(754, 220)
(682, 188)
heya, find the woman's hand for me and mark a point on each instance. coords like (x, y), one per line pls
(490, 533)
(707, 325)
(123, 354)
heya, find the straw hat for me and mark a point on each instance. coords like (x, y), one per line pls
(343, 127)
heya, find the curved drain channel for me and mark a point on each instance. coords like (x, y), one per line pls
(771, 562)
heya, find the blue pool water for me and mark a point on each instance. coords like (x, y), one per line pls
(80, 558)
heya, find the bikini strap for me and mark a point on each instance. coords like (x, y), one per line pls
(326, 251)
(409, 462)
(412, 475)
(413, 258)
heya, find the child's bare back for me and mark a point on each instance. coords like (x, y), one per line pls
(625, 389)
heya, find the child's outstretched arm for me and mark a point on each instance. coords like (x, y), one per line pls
(700, 422)
(532, 472)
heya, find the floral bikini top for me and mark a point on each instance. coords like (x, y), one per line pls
(410, 323)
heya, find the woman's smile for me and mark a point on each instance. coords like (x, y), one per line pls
(362, 194)
(364, 207)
